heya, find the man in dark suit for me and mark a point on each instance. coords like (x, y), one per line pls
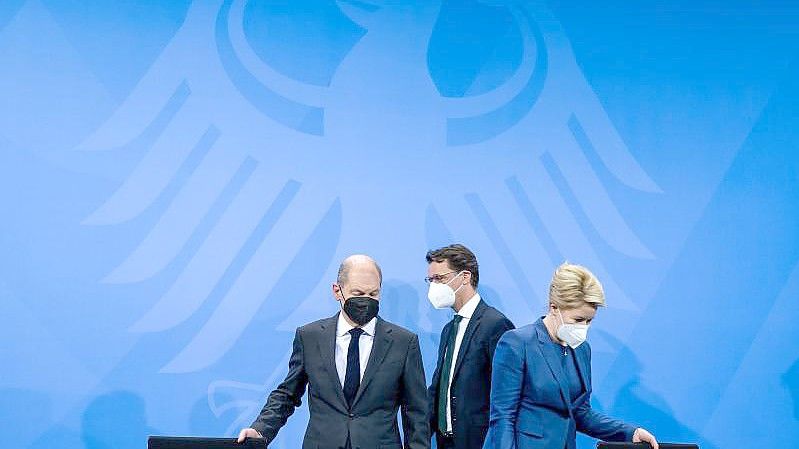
(461, 386)
(359, 370)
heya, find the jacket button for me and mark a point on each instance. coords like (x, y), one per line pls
(351, 415)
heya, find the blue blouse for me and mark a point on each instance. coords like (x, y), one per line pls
(574, 383)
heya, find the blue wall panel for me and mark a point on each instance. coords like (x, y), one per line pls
(179, 181)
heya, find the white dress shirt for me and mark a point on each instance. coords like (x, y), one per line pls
(343, 338)
(467, 310)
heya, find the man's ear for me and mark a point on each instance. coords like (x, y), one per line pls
(337, 291)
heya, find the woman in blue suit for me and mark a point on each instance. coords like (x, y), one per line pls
(541, 376)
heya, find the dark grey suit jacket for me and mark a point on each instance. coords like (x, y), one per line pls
(470, 389)
(394, 379)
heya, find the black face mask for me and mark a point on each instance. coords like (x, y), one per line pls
(361, 309)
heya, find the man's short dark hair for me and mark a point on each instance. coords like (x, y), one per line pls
(458, 258)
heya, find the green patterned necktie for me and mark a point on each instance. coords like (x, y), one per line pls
(443, 384)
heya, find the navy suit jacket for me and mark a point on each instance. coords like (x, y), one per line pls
(470, 387)
(530, 406)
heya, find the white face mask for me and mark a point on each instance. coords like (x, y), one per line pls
(572, 334)
(442, 296)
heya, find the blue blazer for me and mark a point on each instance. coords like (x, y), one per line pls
(530, 406)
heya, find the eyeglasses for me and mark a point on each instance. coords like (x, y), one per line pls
(438, 278)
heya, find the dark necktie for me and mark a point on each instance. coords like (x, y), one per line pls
(443, 384)
(352, 380)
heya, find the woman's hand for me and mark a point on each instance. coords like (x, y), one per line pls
(642, 436)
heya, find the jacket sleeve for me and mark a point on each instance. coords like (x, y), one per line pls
(599, 425)
(431, 406)
(286, 397)
(432, 391)
(414, 404)
(507, 377)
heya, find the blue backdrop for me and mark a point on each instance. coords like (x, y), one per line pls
(179, 181)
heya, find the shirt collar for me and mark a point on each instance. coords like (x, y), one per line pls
(467, 310)
(342, 326)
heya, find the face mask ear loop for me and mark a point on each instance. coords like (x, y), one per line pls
(343, 298)
(562, 323)
(459, 273)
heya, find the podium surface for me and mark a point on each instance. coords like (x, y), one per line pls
(167, 442)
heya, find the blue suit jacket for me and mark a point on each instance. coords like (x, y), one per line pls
(529, 396)
(471, 386)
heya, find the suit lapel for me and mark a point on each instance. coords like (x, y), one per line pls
(442, 348)
(471, 328)
(583, 367)
(381, 345)
(327, 350)
(552, 358)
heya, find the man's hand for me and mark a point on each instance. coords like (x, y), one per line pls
(252, 433)
(642, 436)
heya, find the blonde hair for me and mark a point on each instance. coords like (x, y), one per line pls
(574, 286)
